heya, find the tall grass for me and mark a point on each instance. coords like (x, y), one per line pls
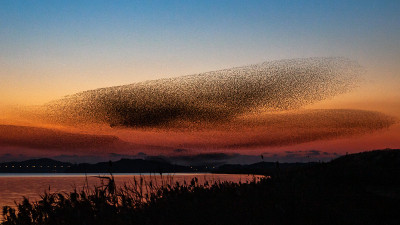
(107, 203)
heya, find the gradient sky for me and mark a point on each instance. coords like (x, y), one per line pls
(49, 49)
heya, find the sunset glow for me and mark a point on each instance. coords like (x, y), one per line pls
(80, 79)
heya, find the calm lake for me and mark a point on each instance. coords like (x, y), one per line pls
(14, 186)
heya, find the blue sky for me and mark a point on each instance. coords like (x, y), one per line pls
(79, 45)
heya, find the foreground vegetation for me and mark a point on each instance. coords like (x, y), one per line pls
(355, 189)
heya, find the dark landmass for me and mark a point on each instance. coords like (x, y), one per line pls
(121, 166)
(361, 188)
(344, 164)
(128, 166)
(137, 166)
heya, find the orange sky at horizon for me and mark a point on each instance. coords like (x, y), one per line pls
(49, 50)
(375, 95)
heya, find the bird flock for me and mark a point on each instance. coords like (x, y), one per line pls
(212, 97)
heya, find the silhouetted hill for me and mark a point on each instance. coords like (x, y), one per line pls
(129, 165)
(385, 158)
(367, 167)
(122, 166)
(374, 167)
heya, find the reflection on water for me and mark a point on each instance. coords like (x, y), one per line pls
(14, 186)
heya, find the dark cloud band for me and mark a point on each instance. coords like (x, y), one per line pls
(267, 130)
(43, 138)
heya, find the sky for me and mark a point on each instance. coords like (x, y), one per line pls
(50, 49)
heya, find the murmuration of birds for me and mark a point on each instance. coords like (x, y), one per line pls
(212, 97)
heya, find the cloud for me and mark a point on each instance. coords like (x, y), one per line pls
(43, 138)
(300, 156)
(315, 153)
(141, 154)
(203, 158)
(307, 153)
(214, 158)
(51, 139)
(267, 130)
(7, 157)
(179, 150)
(295, 127)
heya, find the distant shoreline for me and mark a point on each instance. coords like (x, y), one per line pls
(93, 174)
(138, 166)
